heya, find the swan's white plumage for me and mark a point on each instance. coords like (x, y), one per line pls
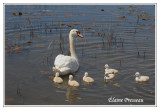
(66, 64)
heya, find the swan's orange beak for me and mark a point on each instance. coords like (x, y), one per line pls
(78, 34)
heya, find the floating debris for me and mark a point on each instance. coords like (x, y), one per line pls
(87, 28)
(14, 14)
(121, 8)
(40, 46)
(18, 51)
(68, 15)
(132, 6)
(143, 17)
(9, 100)
(63, 24)
(102, 9)
(116, 85)
(29, 42)
(70, 25)
(20, 13)
(76, 23)
(8, 51)
(43, 11)
(122, 18)
(101, 34)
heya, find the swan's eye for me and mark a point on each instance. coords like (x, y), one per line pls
(78, 32)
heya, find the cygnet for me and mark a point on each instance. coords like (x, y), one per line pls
(107, 69)
(57, 79)
(108, 76)
(87, 79)
(141, 78)
(72, 82)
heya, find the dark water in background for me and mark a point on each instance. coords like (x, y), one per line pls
(113, 35)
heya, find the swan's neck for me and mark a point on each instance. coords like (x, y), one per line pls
(72, 48)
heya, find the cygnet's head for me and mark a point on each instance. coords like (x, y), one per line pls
(57, 74)
(86, 74)
(137, 74)
(70, 77)
(106, 66)
(75, 32)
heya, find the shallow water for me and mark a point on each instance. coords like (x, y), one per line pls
(113, 34)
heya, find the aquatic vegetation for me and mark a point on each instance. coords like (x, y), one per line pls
(20, 13)
(68, 15)
(116, 85)
(9, 100)
(102, 9)
(14, 14)
(122, 18)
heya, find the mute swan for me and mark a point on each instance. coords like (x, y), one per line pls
(57, 79)
(108, 76)
(68, 64)
(72, 82)
(107, 69)
(87, 79)
(141, 78)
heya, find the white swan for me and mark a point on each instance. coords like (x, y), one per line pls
(87, 79)
(108, 76)
(72, 82)
(57, 79)
(107, 69)
(68, 64)
(141, 78)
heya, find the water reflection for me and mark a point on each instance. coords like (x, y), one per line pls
(72, 94)
(87, 83)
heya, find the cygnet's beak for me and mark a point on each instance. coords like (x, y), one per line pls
(80, 35)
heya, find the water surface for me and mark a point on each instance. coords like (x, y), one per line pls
(122, 36)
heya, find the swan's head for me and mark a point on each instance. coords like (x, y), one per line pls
(57, 74)
(137, 74)
(86, 74)
(70, 77)
(106, 66)
(75, 32)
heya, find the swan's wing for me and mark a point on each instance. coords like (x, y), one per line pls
(66, 61)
